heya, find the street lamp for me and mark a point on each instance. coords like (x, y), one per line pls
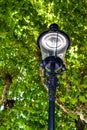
(53, 44)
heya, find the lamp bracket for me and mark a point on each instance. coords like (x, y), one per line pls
(50, 61)
(53, 67)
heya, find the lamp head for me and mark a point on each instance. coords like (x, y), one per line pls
(53, 42)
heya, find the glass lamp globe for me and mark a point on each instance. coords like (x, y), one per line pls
(53, 42)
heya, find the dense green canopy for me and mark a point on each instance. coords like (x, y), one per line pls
(23, 98)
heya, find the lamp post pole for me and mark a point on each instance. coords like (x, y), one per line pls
(52, 64)
(52, 95)
(53, 44)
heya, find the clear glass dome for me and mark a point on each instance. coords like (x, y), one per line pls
(53, 43)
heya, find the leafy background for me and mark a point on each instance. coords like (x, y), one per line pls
(21, 21)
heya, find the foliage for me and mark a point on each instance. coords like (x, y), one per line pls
(21, 22)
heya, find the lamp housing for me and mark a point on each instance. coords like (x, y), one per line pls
(53, 42)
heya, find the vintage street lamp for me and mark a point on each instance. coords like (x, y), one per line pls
(53, 44)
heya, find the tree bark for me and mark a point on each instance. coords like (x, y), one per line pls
(80, 125)
(8, 81)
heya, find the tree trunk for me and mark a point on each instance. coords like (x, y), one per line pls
(80, 125)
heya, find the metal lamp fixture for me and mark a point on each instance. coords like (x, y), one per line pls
(53, 44)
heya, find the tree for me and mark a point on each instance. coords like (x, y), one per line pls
(23, 98)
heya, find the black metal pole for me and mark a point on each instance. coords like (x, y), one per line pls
(51, 119)
(51, 65)
(52, 92)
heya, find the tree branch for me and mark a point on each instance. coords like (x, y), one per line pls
(8, 81)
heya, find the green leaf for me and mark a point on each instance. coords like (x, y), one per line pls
(62, 99)
(83, 99)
